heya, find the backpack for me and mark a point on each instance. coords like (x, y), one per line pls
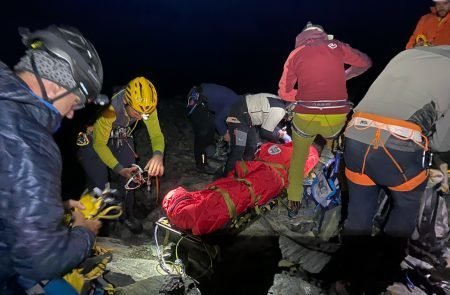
(432, 231)
(320, 212)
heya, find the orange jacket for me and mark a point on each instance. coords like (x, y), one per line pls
(436, 30)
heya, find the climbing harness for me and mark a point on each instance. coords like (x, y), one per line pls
(119, 135)
(400, 129)
(319, 106)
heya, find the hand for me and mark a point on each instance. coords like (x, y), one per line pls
(91, 225)
(128, 172)
(72, 204)
(286, 138)
(155, 166)
(226, 137)
(444, 184)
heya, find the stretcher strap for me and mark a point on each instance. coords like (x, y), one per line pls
(228, 201)
(276, 166)
(255, 198)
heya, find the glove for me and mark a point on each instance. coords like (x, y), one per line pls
(286, 138)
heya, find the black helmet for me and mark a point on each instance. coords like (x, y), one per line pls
(68, 44)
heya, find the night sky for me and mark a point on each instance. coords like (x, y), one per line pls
(241, 44)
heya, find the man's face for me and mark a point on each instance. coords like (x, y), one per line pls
(442, 8)
(133, 113)
(67, 105)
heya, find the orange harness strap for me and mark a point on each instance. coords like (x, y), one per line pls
(411, 184)
(358, 178)
(363, 179)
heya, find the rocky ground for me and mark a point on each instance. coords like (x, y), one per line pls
(269, 256)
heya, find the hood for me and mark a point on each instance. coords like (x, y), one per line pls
(306, 37)
(12, 88)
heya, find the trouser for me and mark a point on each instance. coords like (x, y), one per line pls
(305, 129)
(380, 168)
(202, 121)
(243, 136)
(97, 171)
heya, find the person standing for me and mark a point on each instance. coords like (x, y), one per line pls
(320, 100)
(404, 115)
(433, 28)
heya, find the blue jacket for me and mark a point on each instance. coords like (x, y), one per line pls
(220, 99)
(34, 245)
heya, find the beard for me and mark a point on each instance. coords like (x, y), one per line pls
(442, 13)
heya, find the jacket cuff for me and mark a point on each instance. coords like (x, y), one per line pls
(117, 168)
(91, 236)
(158, 153)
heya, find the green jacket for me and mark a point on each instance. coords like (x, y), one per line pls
(115, 116)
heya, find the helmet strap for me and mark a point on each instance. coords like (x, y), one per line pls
(41, 84)
(38, 78)
(72, 90)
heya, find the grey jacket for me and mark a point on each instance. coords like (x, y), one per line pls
(266, 110)
(414, 86)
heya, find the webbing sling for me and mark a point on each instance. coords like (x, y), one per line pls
(249, 185)
(228, 201)
(276, 166)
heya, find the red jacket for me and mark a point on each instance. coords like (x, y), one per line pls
(435, 29)
(317, 66)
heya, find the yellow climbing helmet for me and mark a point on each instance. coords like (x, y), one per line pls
(140, 94)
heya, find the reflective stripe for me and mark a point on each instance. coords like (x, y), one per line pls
(323, 104)
(358, 178)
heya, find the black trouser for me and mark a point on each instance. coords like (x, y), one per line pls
(97, 171)
(363, 204)
(368, 259)
(202, 121)
(243, 136)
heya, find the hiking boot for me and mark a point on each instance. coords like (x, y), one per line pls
(206, 169)
(134, 225)
(293, 208)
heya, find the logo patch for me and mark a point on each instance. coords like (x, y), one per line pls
(332, 45)
(274, 150)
